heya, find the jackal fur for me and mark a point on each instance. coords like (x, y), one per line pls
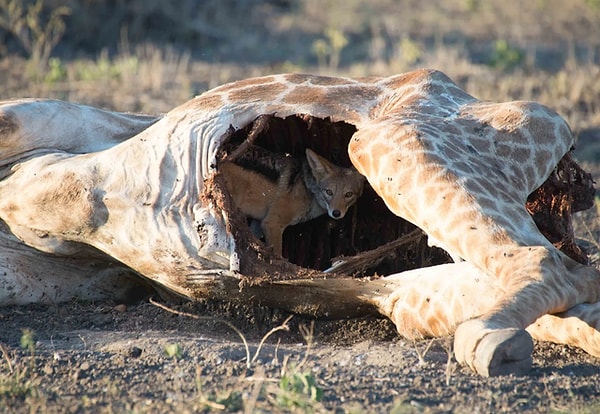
(279, 190)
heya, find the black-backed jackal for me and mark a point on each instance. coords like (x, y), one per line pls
(279, 190)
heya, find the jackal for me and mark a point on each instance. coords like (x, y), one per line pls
(279, 190)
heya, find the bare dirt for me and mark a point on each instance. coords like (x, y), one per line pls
(109, 357)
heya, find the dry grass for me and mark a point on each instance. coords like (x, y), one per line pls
(544, 50)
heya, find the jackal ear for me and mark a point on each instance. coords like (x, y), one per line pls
(361, 177)
(319, 165)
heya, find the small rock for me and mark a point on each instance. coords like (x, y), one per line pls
(134, 352)
(101, 319)
(121, 308)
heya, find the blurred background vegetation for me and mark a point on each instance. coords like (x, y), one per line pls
(151, 55)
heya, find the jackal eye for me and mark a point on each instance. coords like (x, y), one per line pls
(348, 194)
(328, 192)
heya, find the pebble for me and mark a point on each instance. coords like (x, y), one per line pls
(121, 308)
(134, 352)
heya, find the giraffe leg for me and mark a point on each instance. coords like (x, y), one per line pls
(579, 326)
(434, 301)
(496, 342)
(492, 352)
(449, 299)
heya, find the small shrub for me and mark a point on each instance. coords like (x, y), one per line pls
(298, 390)
(37, 34)
(28, 341)
(20, 382)
(57, 72)
(330, 48)
(231, 400)
(409, 51)
(505, 56)
(173, 351)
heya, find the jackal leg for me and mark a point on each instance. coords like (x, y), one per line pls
(279, 216)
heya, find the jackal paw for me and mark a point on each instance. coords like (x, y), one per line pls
(492, 352)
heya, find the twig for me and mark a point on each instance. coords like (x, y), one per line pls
(421, 355)
(211, 404)
(249, 361)
(372, 257)
(6, 357)
(284, 364)
(282, 327)
(253, 398)
(308, 335)
(450, 365)
(191, 315)
(276, 352)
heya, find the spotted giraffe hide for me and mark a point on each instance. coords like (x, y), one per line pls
(93, 202)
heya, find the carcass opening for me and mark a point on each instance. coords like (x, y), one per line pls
(368, 225)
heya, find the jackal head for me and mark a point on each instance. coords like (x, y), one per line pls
(335, 188)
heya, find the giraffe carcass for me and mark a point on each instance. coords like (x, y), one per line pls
(110, 196)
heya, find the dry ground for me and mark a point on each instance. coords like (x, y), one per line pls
(105, 357)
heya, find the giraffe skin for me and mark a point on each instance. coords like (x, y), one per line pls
(461, 170)
(480, 179)
(458, 168)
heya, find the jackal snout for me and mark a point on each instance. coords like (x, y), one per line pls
(336, 188)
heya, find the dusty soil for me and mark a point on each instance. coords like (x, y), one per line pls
(108, 357)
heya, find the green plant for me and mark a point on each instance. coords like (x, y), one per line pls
(56, 71)
(173, 351)
(593, 4)
(401, 406)
(505, 56)
(230, 400)
(28, 341)
(298, 390)
(330, 49)
(409, 51)
(17, 386)
(37, 34)
(104, 68)
(18, 382)
(473, 6)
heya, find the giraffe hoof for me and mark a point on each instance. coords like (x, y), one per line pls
(493, 352)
